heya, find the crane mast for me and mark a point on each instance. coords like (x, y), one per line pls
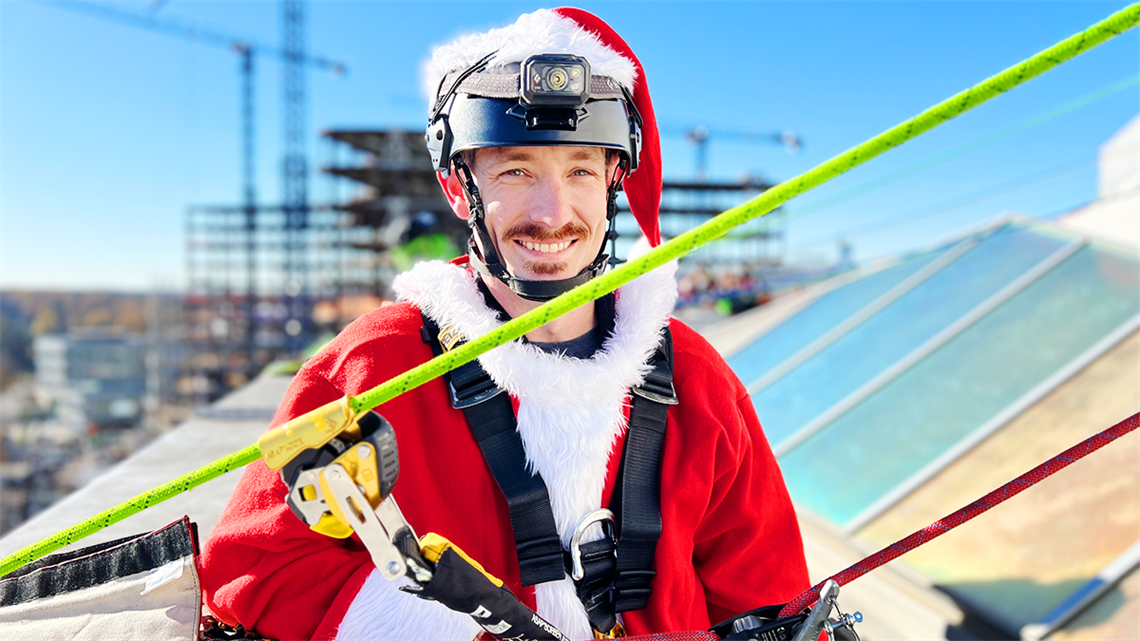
(295, 174)
(238, 333)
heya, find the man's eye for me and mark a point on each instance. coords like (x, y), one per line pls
(583, 172)
(514, 172)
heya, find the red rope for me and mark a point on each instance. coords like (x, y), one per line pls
(945, 524)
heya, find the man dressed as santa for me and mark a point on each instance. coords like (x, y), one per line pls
(534, 128)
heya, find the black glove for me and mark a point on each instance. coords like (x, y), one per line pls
(466, 588)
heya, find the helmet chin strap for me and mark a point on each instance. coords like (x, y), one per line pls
(487, 261)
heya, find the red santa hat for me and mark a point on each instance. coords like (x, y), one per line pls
(581, 33)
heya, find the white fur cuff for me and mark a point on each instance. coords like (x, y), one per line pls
(381, 611)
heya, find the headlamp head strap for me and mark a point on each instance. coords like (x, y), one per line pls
(443, 96)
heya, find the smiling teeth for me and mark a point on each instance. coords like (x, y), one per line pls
(546, 248)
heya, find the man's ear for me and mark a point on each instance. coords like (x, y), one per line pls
(455, 196)
(611, 167)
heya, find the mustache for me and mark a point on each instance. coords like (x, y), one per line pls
(534, 231)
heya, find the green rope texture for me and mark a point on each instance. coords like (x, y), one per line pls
(1063, 51)
(130, 507)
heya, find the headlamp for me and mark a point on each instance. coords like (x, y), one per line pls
(555, 80)
(552, 99)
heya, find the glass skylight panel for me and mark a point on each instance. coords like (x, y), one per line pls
(809, 323)
(791, 402)
(878, 444)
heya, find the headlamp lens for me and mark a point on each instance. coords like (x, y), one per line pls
(555, 80)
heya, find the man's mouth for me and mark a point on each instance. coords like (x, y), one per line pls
(546, 248)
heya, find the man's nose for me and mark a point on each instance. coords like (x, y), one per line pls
(550, 205)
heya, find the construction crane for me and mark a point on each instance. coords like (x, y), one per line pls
(295, 174)
(295, 162)
(701, 134)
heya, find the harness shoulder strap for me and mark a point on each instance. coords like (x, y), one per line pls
(492, 421)
(637, 498)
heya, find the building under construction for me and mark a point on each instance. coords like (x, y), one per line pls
(391, 209)
(248, 266)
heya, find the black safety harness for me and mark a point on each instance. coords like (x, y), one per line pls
(611, 574)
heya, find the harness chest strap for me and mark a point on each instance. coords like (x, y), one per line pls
(636, 499)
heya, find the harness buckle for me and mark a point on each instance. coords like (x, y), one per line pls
(467, 398)
(606, 519)
(657, 387)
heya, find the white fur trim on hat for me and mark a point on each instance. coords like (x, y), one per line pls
(570, 410)
(533, 33)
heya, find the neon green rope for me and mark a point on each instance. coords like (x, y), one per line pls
(130, 507)
(1067, 49)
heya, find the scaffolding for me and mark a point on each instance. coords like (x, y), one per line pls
(241, 286)
(387, 196)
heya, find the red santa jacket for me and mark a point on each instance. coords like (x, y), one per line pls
(729, 542)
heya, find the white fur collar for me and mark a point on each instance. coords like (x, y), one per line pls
(567, 438)
(533, 33)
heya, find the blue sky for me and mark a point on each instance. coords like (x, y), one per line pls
(108, 132)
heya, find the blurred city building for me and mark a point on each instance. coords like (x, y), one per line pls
(87, 378)
(93, 376)
(1113, 215)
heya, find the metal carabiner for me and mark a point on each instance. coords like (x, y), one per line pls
(609, 527)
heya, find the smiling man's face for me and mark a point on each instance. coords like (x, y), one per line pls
(545, 207)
